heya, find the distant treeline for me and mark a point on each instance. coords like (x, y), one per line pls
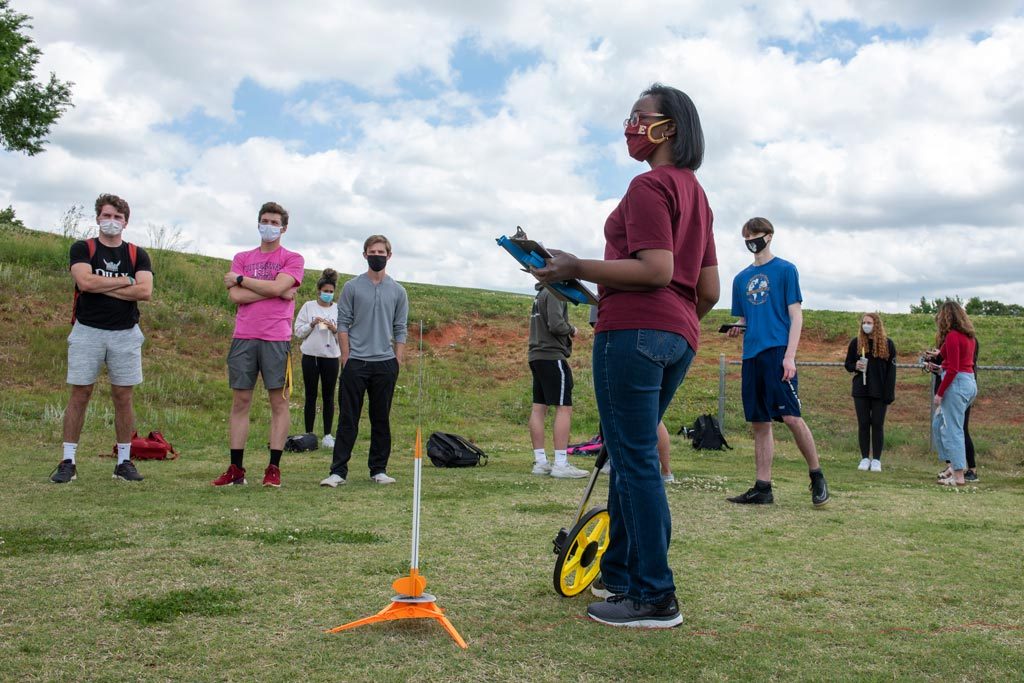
(974, 306)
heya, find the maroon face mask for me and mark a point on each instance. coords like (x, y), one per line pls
(639, 141)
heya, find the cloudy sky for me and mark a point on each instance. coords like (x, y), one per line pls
(884, 140)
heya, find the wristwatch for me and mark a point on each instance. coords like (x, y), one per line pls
(238, 280)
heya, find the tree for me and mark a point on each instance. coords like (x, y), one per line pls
(27, 108)
(8, 218)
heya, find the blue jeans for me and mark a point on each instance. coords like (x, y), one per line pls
(948, 421)
(636, 373)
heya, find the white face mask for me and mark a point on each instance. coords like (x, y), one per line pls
(867, 327)
(269, 233)
(111, 228)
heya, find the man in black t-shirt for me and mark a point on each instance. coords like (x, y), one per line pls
(110, 277)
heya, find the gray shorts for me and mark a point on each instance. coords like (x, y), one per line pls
(250, 357)
(89, 348)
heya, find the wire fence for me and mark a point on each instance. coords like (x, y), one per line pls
(724, 395)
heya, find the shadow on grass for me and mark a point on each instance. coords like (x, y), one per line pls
(207, 602)
(36, 540)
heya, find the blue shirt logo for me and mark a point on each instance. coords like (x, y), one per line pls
(757, 289)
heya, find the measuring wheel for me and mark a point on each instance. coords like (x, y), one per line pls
(579, 552)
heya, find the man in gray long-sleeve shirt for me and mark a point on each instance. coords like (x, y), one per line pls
(373, 311)
(550, 347)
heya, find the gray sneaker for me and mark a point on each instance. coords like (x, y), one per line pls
(126, 471)
(620, 610)
(542, 467)
(599, 589)
(567, 471)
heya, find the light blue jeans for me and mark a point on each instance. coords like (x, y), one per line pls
(948, 420)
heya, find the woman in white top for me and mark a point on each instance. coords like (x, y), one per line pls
(317, 326)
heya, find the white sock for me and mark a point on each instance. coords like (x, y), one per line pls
(540, 455)
(561, 459)
(124, 452)
(69, 451)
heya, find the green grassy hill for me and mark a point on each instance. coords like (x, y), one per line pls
(174, 580)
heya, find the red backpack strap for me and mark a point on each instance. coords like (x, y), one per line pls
(133, 253)
(90, 244)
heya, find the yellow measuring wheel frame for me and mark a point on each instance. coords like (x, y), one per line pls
(579, 557)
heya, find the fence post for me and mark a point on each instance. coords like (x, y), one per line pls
(721, 390)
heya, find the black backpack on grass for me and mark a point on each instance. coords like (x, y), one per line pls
(706, 435)
(300, 443)
(452, 450)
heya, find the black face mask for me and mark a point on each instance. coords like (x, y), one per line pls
(756, 245)
(377, 263)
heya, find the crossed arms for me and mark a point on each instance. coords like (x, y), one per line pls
(120, 287)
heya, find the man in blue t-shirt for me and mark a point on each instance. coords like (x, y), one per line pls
(766, 297)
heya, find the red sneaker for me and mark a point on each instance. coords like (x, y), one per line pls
(272, 476)
(233, 475)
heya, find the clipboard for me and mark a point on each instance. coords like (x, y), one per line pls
(532, 254)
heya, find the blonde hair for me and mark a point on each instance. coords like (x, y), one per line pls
(952, 316)
(878, 338)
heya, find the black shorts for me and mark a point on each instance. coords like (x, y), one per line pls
(552, 382)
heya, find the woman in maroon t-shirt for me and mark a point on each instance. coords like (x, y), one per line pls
(659, 276)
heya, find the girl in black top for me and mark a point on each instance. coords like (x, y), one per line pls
(871, 358)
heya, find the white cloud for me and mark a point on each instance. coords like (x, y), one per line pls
(913, 147)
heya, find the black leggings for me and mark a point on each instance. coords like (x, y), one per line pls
(324, 371)
(870, 425)
(968, 441)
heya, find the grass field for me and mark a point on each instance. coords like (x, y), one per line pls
(170, 579)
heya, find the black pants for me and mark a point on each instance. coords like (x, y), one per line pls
(322, 371)
(870, 425)
(968, 441)
(377, 380)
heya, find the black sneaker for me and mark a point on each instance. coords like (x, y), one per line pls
(819, 492)
(64, 472)
(970, 475)
(620, 610)
(753, 497)
(126, 470)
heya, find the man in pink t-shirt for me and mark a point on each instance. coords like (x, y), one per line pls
(262, 283)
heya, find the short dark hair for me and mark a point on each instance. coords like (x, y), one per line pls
(758, 226)
(688, 142)
(274, 207)
(115, 201)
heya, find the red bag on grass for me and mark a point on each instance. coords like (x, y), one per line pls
(152, 447)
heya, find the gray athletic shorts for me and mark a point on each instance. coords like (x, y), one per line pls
(89, 348)
(250, 357)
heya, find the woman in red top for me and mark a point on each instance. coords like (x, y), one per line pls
(658, 277)
(956, 392)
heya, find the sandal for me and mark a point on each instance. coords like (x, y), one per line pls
(949, 481)
(945, 474)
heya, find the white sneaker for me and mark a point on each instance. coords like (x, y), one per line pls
(876, 465)
(668, 478)
(865, 463)
(607, 469)
(328, 441)
(542, 467)
(332, 481)
(567, 471)
(381, 478)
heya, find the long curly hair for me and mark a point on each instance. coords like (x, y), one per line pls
(952, 316)
(878, 338)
